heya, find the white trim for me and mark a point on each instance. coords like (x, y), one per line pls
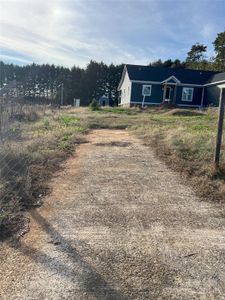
(180, 84)
(185, 100)
(160, 83)
(146, 103)
(214, 83)
(146, 81)
(189, 84)
(173, 78)
(169, 83)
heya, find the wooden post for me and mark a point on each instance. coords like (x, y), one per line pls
(164, 92)
(219, 130)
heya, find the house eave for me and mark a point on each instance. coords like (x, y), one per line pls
(214, 83)
(160, 83)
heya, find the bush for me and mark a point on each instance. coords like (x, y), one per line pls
(94, 105)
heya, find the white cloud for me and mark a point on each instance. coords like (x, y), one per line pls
(69, 32)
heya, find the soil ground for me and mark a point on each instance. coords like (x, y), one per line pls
(118, 225)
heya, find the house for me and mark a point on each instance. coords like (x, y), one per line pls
(145, 85)
(103, 100)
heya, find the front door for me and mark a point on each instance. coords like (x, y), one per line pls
(168, 93)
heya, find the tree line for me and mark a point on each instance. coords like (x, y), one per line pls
(44, 81)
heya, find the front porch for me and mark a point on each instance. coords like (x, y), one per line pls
(169, 87)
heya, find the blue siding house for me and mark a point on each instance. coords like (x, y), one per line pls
(145, 85)
(103, 100)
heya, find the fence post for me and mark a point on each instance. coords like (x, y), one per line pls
(219, 130)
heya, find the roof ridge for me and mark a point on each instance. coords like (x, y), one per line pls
(166, 68)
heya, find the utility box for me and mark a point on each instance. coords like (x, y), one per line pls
(77, 102)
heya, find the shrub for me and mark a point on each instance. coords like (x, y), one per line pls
(94, 105)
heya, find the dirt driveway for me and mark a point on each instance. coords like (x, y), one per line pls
(118, 225)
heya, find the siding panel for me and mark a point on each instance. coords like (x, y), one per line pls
(197, 96)
(156, 95)
(212, 95)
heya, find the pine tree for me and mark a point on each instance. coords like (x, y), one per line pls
(196, 58)
(219, 46)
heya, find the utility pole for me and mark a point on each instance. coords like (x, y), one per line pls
(62, 94)
(219, 130)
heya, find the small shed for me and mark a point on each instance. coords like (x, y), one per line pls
(103, 100)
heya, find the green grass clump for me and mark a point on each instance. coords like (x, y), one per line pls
(119, 110)
(67, 120)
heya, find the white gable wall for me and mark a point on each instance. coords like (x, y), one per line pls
(125, 90)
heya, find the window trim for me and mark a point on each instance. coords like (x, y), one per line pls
(186, 100)
(144, 86)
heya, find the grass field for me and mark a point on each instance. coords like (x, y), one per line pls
(185, 139)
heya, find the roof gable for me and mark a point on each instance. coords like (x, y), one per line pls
(171, 79)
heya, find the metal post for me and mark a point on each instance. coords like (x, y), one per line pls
(219, 130)
(143, 102)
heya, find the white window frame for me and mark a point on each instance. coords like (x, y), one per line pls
(184, 94)
(144, 86)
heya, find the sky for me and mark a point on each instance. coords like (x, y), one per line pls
(72, 32)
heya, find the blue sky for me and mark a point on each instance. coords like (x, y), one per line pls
(71, 32)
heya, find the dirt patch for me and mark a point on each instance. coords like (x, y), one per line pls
(114, 143)
(118, 225)
(183, 112)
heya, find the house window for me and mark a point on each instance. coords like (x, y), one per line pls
(146, 90)
(187, 94)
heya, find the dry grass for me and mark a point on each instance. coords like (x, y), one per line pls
(186, 142)
(35, 148)
(185, 139)
(32, 151)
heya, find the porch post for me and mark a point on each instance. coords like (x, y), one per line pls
(175, 95)
(202, 99)
(164, 93)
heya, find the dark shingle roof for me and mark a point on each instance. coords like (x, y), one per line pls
(147, 73)
(217, 77)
